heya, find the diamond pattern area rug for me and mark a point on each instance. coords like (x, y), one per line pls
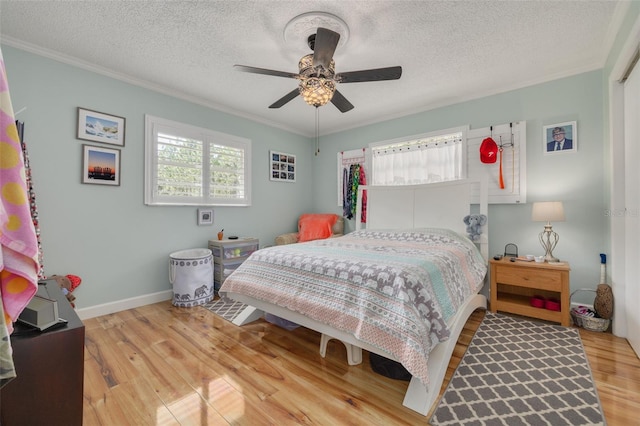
(225, 308)
(519, 372)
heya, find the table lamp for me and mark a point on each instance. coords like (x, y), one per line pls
(548, 211)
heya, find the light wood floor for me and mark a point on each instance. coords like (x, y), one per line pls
(162, 365)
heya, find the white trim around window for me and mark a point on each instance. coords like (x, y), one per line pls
(189, 165)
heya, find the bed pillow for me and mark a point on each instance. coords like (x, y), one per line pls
(315, 226)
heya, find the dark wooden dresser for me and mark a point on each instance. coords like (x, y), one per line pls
(50, 369)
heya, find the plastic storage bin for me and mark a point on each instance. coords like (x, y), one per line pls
(191, 274)
(228, 255)
(235, 250)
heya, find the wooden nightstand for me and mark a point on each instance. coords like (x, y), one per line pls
(513, 284)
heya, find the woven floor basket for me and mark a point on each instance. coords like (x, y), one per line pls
(587, 322)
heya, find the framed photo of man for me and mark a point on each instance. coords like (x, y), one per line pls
(560, 138)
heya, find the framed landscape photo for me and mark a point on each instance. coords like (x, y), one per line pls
(100, 166)
(560, 138)
(282, 166)
(99, 127)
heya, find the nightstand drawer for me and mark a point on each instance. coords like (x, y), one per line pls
(530, 277)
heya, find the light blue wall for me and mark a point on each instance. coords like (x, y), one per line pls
(576, 179)
(120, 247)
(106, 235)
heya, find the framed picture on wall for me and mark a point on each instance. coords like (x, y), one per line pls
(282, 167)
(560, 138)
(100, 166)
(205, 217)
(99, 127)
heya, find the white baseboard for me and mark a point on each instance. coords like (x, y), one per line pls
(122, 305)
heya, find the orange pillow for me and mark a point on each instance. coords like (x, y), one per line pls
(315, 226)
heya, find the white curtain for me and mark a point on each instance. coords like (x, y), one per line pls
(418, 162)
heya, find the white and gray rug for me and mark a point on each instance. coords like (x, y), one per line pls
(225, 308)
(519, 372)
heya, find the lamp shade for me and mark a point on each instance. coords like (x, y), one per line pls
(547, 211)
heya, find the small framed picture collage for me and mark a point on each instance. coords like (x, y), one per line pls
(282, 166)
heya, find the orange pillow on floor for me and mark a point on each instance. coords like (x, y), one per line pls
(315, 226)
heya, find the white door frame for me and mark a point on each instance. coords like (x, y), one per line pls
(617, 191)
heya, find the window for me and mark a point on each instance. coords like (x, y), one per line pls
(428, 158)
(187, 165)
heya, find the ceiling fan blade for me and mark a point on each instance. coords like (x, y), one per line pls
(286, 98)
(325, 46)
(341, 102)
(378, 74)
(264, 71)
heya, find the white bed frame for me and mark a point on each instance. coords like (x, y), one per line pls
(442, 205)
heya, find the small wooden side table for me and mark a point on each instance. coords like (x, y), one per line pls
(514, 283)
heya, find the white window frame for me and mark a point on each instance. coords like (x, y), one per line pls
(428, 137)
(154, 125)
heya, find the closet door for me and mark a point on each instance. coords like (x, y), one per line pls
(632, 204)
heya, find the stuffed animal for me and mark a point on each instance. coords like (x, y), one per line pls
(68, 283)
(474, 224)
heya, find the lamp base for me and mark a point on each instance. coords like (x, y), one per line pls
(548, 240)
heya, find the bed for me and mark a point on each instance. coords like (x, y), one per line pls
(403, 287)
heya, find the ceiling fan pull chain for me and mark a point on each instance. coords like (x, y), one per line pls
(317, 131)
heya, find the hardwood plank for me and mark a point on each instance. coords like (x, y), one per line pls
(140, 405)
(160, 364)
(228, 386)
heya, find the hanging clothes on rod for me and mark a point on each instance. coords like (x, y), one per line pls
(352, 174)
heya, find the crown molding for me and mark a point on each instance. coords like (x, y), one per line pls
(88, 66)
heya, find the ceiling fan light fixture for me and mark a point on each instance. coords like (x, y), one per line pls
(317, 91)
(317, 79)
(306, 68)
(317, 84)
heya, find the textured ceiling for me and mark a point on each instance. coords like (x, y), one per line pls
(450, 51)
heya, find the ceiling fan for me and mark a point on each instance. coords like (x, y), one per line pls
(317, 76)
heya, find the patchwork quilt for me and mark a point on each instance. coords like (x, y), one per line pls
(395, 290)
